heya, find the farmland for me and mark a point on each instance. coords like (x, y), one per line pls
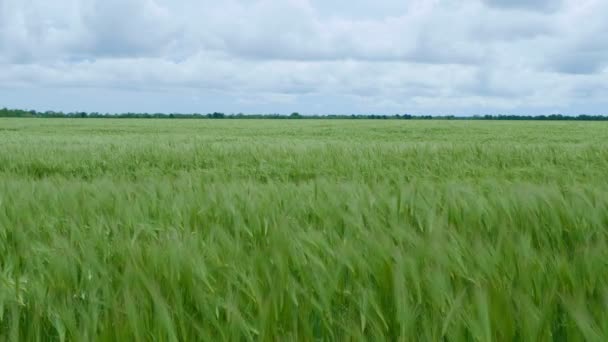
(135, 229)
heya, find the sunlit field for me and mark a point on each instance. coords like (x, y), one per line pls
(184, 230)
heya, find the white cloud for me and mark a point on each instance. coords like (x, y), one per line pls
(420, 55)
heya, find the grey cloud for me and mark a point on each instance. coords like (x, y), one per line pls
(581, 61)
(127, 28)
(299, 35)
(73, 30)
(581, 47)
(497, 26)
(592, 91)
(537, 5)
(265, 30)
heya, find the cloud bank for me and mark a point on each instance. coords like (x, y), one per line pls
(312, 56)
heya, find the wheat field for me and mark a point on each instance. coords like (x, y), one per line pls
(332, 230)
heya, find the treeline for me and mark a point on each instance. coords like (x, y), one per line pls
(17, 113)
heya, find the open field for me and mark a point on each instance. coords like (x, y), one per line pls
(281, 230)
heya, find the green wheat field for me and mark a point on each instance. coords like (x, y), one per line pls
(303, 230)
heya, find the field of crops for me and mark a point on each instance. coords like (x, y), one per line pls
(136, 230)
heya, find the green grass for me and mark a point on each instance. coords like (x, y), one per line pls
(137, 230)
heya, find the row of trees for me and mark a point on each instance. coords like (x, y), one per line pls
(17, 113)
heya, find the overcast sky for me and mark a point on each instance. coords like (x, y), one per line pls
(310, 56)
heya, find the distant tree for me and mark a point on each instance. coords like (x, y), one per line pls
(217, 115)
(5, 112)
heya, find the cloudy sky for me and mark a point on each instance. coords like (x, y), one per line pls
(311, 56)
